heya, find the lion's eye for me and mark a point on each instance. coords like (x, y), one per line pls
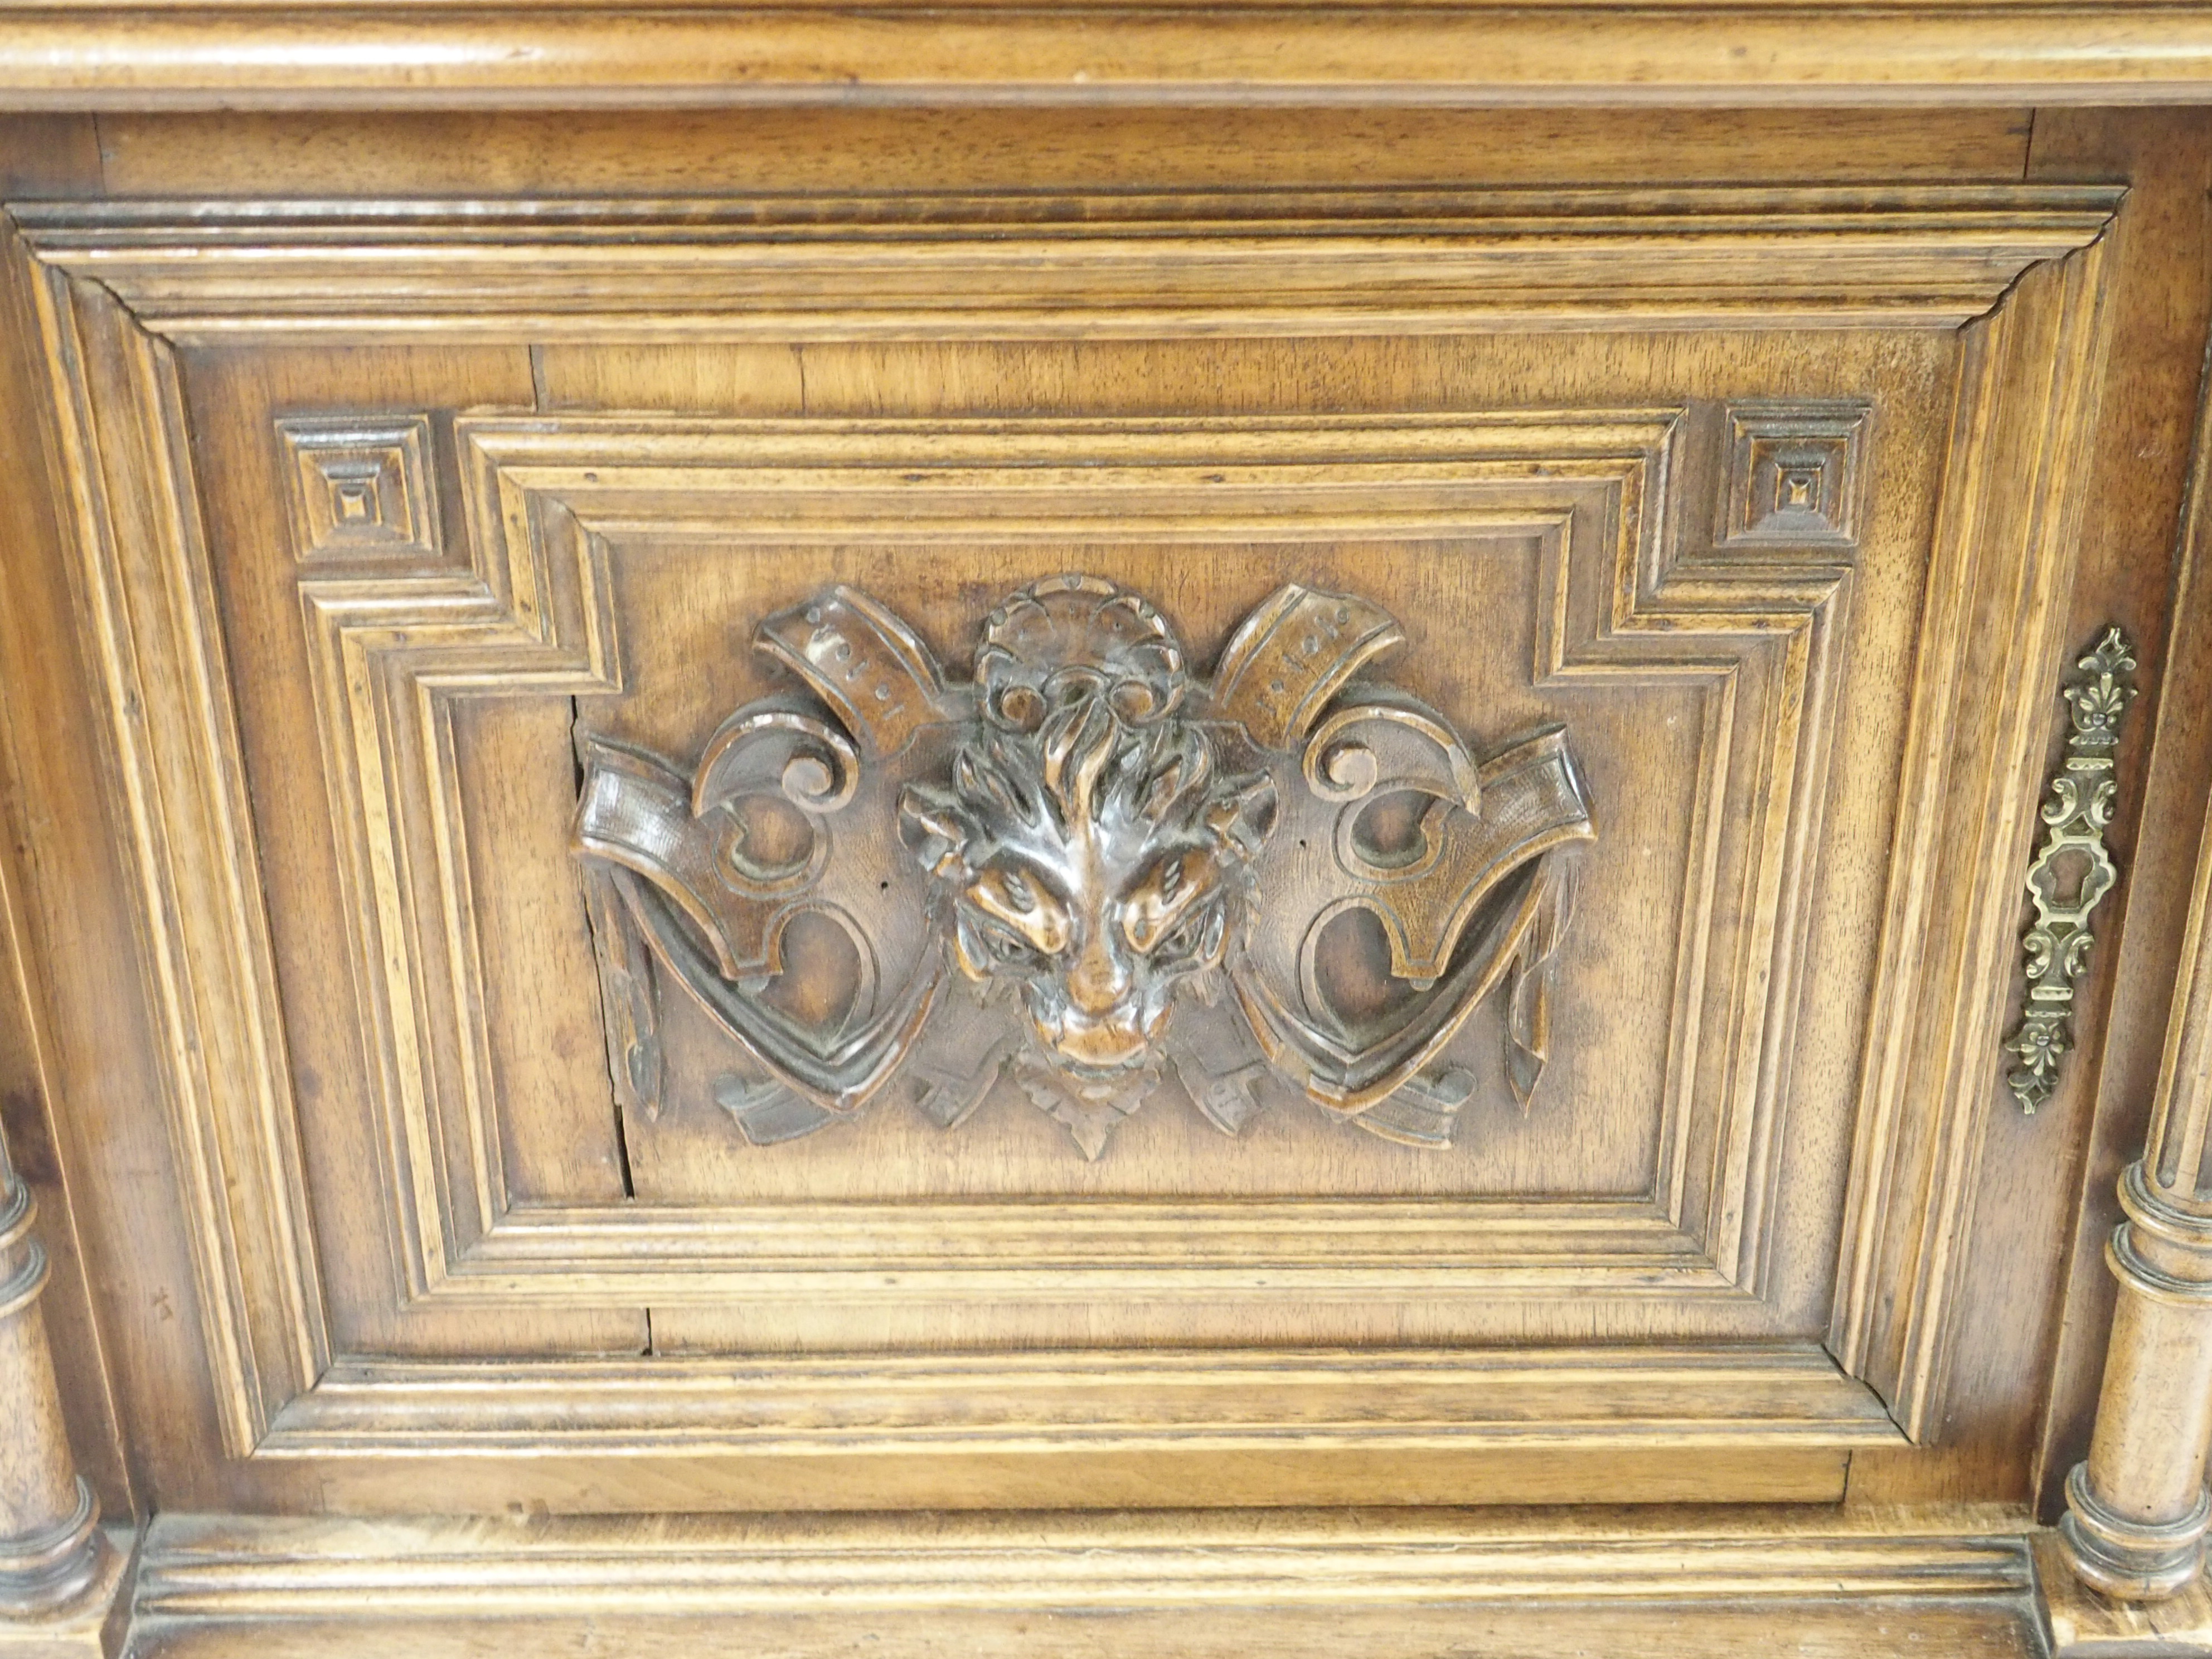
(1190, 937)
(1004, 941)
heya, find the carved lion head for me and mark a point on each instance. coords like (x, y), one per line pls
(1091, 846)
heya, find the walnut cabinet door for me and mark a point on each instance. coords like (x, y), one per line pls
(850, 853)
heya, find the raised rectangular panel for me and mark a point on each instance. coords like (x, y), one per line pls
(1729, 502)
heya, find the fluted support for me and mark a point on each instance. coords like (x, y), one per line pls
(51, 1548)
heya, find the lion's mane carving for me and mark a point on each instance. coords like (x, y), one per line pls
(1095, 849)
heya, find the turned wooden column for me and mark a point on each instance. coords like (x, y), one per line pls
(51, 1548)
(2136, 1511)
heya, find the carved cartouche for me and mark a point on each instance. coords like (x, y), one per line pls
(1087, 864)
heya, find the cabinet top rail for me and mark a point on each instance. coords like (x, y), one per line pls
(334, 54)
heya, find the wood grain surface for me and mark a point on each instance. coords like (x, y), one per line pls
(312, 1053)
(1569, 51)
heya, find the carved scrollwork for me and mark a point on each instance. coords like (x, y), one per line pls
(1088, 866)
(2073, 870)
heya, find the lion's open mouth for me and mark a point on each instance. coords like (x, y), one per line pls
(1107, 1051)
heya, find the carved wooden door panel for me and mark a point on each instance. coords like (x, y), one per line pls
(1175, 849)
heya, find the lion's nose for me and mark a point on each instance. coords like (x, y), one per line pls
(1098, 979)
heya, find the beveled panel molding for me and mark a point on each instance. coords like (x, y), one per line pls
(550, 501)
(2004, 546)
(1584, 484)
(1779, 1396)
(1297, 262)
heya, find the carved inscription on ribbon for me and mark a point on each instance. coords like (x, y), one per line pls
(1088, 866)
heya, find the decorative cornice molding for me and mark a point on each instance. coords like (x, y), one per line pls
(1294, 261)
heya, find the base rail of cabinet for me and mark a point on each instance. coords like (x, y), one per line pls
(1669, 1581)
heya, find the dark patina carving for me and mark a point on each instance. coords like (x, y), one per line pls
(1090, 865)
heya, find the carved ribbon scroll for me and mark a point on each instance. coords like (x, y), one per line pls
(1088, 866)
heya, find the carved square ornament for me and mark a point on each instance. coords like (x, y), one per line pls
(1793, 474)
(361, 487)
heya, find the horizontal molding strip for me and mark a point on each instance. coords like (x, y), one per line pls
(1124, 1400)
(984, 1233)
(795, 1255)
(238, 1567)
(524, 55)
(1018, 266)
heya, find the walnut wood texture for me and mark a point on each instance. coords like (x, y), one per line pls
(440, 1237)
(1691, 51)
(2138, 1508)
(534, 1399)
(699, 153)
(1295, 1583)
(51, 1548)
(59, 1571)
(2087, 1624)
